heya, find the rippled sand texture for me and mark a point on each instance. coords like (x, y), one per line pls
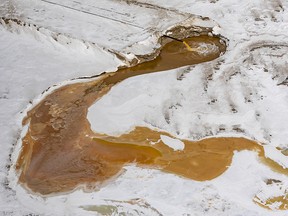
(61, 152)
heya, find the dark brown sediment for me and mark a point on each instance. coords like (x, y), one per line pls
(60, 151)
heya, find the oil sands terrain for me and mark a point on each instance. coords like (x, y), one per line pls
(241, 94)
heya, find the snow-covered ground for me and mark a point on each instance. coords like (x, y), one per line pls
(242, 93)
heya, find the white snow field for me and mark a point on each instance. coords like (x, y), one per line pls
(242, 93)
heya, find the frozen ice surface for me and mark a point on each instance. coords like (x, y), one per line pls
(175, 144)
(242, 93)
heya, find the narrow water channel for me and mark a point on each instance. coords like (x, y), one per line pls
(60, 151)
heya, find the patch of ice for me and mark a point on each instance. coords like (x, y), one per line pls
(175, 144)
(207, 22)
(216, 30)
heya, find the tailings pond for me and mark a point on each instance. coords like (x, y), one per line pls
(60, 151)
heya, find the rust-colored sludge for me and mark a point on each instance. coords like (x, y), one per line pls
(280, 201)
(60, 152)
(201, 160)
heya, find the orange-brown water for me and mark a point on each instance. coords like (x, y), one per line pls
(60, 151)
(280, 201)
(201, 160)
